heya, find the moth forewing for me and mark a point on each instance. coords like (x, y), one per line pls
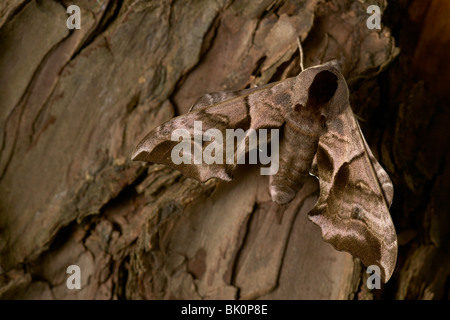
(254, 108)
(353, 206)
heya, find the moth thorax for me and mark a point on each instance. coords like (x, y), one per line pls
(314, 112)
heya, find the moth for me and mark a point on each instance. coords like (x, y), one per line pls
(320, 136)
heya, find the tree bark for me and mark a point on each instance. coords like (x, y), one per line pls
(74, 103)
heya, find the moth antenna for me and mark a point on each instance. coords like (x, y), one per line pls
(359, 118)
(301, 54)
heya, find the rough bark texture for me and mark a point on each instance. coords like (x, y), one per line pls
(74, 103)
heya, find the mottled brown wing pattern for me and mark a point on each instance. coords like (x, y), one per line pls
(251, 108)
(355, 195)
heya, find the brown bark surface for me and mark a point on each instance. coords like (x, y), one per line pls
(74, 103)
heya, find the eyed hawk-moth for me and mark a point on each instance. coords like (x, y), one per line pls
(320, 136)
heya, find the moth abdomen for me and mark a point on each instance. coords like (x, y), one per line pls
(297, 151)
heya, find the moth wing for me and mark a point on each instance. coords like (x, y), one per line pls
(212, 98)
(355, 195)
(250, 108)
